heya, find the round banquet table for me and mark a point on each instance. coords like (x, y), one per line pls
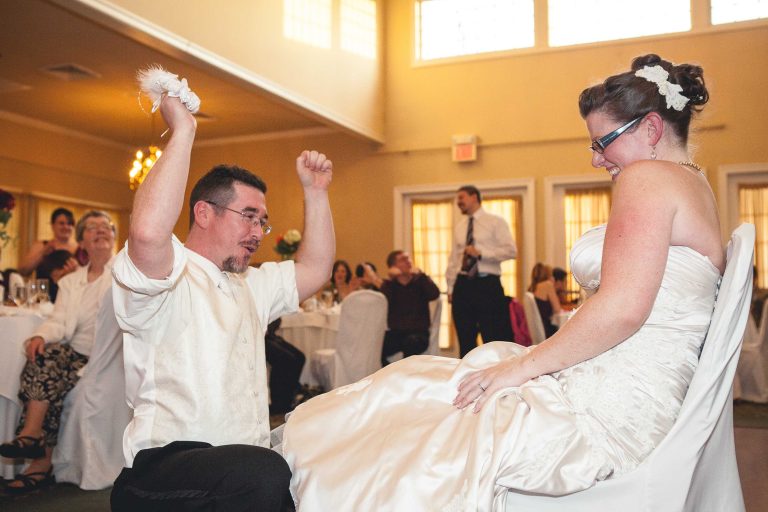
(311, 331)
(16, 325)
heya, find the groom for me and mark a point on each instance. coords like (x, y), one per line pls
(194, 318)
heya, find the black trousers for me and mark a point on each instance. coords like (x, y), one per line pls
(287, 362)
(191, 476)
(409, 342)
(479, 306)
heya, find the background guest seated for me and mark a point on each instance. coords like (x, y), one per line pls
(55, 258)
(58, 350)
(366, 276)
(341, 281)
(543, 289)
(408, 292)
(286, 363)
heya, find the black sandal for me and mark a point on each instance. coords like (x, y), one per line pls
(30, 483)
(24, 447)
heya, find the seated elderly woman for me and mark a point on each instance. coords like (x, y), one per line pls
(57, 351)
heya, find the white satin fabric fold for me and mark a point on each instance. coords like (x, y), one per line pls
(393, 441)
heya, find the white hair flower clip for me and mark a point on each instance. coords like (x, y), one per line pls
(154, 81)
(670, 91)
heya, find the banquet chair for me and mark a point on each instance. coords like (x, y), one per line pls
(694, 468)
(435, 315)
(90, 449)
(533, 318)
(358, 343)
(751, 371)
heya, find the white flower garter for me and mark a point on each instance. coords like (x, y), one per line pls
(154, 81)
(670, 91)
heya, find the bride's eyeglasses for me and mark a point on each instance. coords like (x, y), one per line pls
(599, 144)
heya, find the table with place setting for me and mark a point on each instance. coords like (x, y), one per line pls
(310, 331)
(16, 325)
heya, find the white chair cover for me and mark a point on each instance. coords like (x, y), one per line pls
(435, 312)
(358, 342)
(533, 319)
(750, 374)
(694, 468)
(90, 449)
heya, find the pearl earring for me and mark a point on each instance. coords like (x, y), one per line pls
(653, 152)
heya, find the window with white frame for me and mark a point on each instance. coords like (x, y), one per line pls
(425, 219)
(729, 11)
(451, 28)
(589, 21)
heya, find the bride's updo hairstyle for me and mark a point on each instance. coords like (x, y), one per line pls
(626, 96)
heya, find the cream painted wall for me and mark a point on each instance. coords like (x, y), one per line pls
(344, 88)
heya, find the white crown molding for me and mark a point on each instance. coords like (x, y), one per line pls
(32, 122)
(262, 137)
(128, 23)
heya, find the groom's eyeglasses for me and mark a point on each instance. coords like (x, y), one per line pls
(599, 144)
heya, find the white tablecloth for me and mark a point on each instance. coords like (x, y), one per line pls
(310, 331)
(13, 331)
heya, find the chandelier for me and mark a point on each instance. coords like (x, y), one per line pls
(142, 164)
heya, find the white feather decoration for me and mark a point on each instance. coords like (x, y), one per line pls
(154, 81)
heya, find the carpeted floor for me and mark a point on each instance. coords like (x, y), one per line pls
(68, 498)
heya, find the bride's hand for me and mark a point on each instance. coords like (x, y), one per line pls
(482, 384)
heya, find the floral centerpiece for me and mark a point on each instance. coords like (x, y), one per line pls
(7, 203)
(288, 244)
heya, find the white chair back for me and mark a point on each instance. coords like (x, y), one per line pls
(533, 319)
(751, 378)
(90, 449)
(360, 338)
(435, 315)
(694, 467)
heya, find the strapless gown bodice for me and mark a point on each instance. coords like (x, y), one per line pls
(394, 441)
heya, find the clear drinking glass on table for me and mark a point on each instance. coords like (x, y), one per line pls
(43, 291)
(19, 295)
(32, 292)
(326, 299)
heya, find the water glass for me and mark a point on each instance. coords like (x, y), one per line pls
(326, 299)
(43, 291)
(19, 295)
(32, 292)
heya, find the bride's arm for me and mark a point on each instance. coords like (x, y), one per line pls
(634, 258)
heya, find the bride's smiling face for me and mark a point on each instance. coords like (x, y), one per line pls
(623, 150)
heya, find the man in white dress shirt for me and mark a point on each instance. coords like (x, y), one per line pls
(481, 241)
(194, 318)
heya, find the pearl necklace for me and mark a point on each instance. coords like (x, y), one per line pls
(694, 165)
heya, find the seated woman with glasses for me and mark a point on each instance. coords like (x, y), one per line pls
(589, 403)
(58, 350)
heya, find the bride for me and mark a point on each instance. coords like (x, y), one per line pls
(591, 402)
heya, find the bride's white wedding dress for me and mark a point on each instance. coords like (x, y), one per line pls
(393, 441)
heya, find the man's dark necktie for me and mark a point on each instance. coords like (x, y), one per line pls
(469, 263)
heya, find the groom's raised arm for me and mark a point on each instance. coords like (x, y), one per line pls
(160, 197)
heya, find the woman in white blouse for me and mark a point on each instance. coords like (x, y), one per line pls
(57, 351)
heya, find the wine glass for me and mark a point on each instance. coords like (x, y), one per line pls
(32, 293)
(43, 291)
(19, 295)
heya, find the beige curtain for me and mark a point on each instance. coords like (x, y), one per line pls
(584, 208)
(9, 254)
(432, 223)
(753, 208)
(509, 209)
